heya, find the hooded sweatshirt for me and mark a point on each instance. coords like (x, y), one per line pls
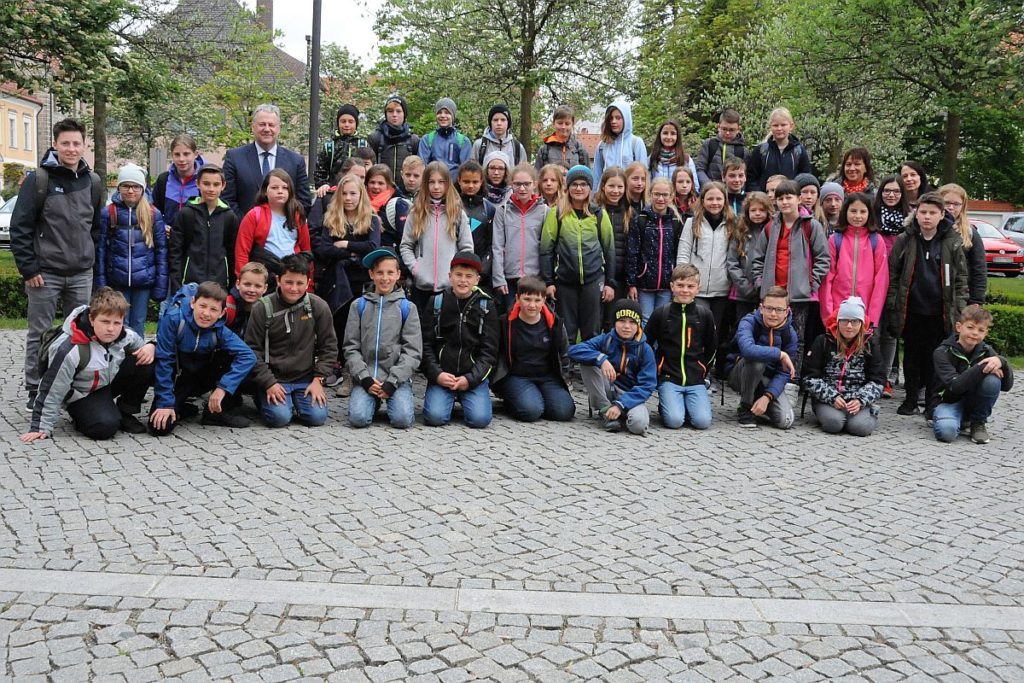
(516, 239)
(382, 344)
(860, 267)
(828, 374)
(741, 268)
(490, 142)
(392, 144)
(62, 383)
(712, 155)
(446, 143)
(808, 257)
(567, 153)
(429, 257)
(685, 340)
(624, 149)
(300, 338)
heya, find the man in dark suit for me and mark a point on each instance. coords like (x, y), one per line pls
(245, 166)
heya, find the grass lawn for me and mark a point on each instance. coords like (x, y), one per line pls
(1006, 285)
(7, 268)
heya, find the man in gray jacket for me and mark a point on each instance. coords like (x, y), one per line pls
(53, 233)
(383, 346)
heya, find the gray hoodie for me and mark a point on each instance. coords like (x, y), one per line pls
(379, 344)
(516, 241)
(429, 258)
(809, 260)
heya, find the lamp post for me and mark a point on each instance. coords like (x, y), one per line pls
(314, 91)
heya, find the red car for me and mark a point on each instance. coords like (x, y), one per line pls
(1002, 254)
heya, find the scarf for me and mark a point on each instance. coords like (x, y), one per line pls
(381, 200)
(667, 156)
(524, 208)
(850, 188)
(496, 194)
(393, 134)
(891, 222)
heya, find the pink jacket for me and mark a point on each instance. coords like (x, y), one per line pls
(861, 270)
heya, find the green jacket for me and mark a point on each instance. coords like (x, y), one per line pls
(577, 251)
(902, 264)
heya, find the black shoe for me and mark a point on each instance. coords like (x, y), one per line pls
(907, 408)
(186, 411)
(223, 419)
(746, 418)
(131, 424)
(979, 432)
(30, 404)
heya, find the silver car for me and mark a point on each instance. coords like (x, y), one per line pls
(5, 222)
(1013, 227)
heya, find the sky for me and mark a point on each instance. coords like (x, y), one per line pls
(349, 23)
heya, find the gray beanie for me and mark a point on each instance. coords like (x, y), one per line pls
(832, 188)
(130, 173)
(804, 179)
(852, 309)
(446, 103)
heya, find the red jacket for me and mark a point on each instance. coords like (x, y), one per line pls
(254, 230)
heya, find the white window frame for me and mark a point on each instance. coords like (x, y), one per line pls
(26, 129)
(12, 129)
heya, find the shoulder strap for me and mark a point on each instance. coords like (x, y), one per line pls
(429, 137)
(361, 306)
(84, 356)
(113, 214)
(42, 187)
(873, 237)
(481, 153)
(97, 189)
(837, 241)
(404, 305)
(436, 304)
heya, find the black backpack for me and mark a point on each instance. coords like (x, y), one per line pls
(46, 341)
(516, 152)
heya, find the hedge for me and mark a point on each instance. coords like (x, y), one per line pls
(1007, 333)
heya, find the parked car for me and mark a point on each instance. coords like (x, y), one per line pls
(6, 211)
(1002, 255)
(1013, 227)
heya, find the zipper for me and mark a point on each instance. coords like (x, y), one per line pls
(661, 249)
(131, 244)
(683, 345)
(437, 237)
(579, 246)
(522, 244)
(376, 350)
(856, 250)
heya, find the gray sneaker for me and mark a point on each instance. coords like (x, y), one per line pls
(979, 432)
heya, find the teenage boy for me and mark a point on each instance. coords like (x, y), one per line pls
(383, 346)
(252, 284)
(445, 143)
(762, 362)
(561, 147)
(202, 245)
(619, 371)
(772, 183)
(343, 144)
(714, 152)
(412, 176)
(684, 338)
(832, 197)
(480, 213)
(98, 368)
(191, 340)
(791, 252)
(393, 141)
(969, 375)
(927, 291)
(292, 333)
(53, 233)
(533, 359)
(460, 346)
(498, 137)
(735, 173)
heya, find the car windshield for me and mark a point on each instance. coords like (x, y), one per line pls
(987, 230)
(9, 206)
(1016, 223)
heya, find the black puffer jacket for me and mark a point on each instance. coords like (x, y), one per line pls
(651, 246)
(828, 374)
(462, 340)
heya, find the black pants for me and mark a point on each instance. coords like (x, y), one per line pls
(922, 334)
(97, 415)
(193, 381)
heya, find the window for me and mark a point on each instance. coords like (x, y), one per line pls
(26, 123)
(12, 129)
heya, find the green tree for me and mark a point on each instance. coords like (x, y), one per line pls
(513, 51)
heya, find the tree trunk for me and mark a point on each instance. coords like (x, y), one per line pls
(526, 96)
(99, 132)
(949, 159)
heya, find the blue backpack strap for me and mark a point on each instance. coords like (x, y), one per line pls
(361, 305)
(837, 240)
(404, 305)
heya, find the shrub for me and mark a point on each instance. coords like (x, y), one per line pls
(1007, 335)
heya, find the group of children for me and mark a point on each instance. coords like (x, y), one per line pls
(658, 272)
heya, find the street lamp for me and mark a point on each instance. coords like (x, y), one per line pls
(314, 91)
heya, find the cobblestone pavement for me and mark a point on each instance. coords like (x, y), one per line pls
(895, 517)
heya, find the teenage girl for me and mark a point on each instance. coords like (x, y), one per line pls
(668, 153)
(756, 213)
(551, 183)
(859, 264)
(955, 198)
(651, 246)
(274, 227)
(618, 146)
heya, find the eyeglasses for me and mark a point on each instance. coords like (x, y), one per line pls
(953, 205)
(661, 195)
(891, 192)
(579, 185)
(852, 321)
(773, 309)
(521, 186)
(129, 188)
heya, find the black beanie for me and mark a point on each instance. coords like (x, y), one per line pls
(349, 109)
(500, 109)
(627, 308)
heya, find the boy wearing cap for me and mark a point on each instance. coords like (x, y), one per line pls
(445, 143)
(383, 346)
(832, 197)
(619, 371)
(340, 147)
(499, 138)
(393, 140)
(460, 345)
(577, 256)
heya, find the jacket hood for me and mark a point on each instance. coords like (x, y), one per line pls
(507, 139)
(50, 161)
(738, 140)
(627, 116)
(953, 342)
(198, 203)
(78, 326)
(945, 225)
(393, 295)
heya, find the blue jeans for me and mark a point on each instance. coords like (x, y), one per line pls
(476, 405)
(530, 398)
(676, 403)
(401, 407)
(976, 405)
(304, 410)
(650, 300)
(138, 302)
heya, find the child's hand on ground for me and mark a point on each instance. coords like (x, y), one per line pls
(161, 418)
(29, 437)
(761, 405)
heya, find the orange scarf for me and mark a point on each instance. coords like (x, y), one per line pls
(381, 199)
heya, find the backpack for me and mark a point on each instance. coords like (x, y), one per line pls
(796, 151)
(183, 297)
(268, 305)
(43, 188)
(516, 152)
(329, 147)
(483, 301)
(391, 214)
(403, 304)
(113, 221)
(46, 341)
(558, 230)
(460, 139)
(837, 241)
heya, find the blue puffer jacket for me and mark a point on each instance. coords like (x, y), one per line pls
(122, 257)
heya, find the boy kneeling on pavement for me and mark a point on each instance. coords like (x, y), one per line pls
(94, 360)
